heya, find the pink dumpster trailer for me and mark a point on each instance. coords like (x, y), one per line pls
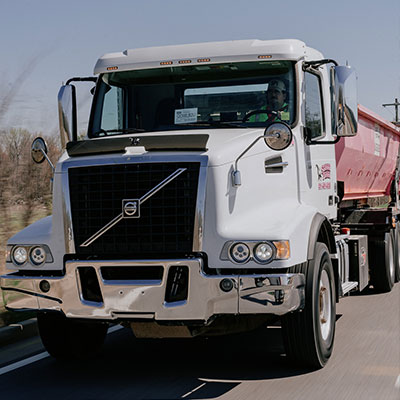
(366, 163)
(368, 175)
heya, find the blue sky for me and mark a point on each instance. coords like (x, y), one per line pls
(45, 42)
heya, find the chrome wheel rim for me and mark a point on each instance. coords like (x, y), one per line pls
(325, 305)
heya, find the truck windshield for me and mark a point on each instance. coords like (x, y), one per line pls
(246, 94)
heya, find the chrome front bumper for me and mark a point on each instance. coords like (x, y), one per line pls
(256, 294)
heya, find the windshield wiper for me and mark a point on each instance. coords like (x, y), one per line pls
(122, 130)
(214, 124)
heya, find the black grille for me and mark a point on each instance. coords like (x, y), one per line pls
(166, 220)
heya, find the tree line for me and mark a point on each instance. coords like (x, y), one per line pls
(25, 187)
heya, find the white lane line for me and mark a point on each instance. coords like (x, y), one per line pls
(397, 384)
(23, 363)
(40, 356)
(194, 390)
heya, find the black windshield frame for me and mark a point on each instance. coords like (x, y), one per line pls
(134, 84)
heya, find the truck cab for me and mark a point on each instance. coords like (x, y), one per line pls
(202, 199)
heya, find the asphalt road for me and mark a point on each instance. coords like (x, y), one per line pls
(365, 364)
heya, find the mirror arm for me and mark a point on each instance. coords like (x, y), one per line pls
(84, 79)
(313, 65)
(311, 142)
(48, 160)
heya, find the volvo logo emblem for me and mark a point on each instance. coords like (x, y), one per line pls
(131, 208)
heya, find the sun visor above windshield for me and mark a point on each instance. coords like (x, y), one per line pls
(150, 143)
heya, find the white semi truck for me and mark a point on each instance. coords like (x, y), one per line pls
(196, 205)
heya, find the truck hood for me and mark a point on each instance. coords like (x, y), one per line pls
(223, 146)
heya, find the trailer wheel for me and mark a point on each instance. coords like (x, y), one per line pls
(383, 263)
(70, 339)
(397, 252)
(309, 335)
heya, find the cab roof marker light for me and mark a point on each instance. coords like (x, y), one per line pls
(200, 60)
(184, 61)
(112, 68)
(166, 63)
(264, 56)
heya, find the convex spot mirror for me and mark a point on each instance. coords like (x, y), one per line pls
(278, 136)
(344, 100)
(38, 150)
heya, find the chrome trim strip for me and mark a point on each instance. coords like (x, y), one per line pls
(23, 291)
(277, 165)
(102, 231)
(162, 184)
(145, 197)
(67, 214)
(198, 229)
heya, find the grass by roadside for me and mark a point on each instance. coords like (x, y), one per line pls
(12, 221)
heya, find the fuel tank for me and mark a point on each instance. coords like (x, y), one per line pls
(366, 162)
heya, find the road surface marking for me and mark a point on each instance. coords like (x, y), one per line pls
(194, 390)
(40, 356)
(397, 384)
(23, 363)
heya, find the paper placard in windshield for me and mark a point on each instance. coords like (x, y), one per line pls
(185, 115)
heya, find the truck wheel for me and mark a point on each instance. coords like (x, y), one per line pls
(70, 339)
(397, 252)
(383, 264)
(309, 334)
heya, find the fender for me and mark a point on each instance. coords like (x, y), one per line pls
(320, 231)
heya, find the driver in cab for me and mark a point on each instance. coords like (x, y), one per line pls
(276, 108)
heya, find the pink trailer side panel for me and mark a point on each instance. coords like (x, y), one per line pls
(366, 162)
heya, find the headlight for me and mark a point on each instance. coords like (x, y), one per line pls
(263, 252)
(33, 254)
(278, 136)
(240, 252)
(37, 255)
(20, 255)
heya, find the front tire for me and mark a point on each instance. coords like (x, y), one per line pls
(64, 338)
(309, 334)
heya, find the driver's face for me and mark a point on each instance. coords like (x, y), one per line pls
(276, 98)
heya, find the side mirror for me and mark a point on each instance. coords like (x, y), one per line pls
(67, 114)
(38, 150)
(344, 100)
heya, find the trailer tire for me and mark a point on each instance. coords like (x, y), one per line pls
(383, 264)
(309, 334)
(65, 339)
(397, 252)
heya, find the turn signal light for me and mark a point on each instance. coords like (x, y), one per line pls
(282, 249)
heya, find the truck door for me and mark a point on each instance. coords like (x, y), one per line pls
(320, 161)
